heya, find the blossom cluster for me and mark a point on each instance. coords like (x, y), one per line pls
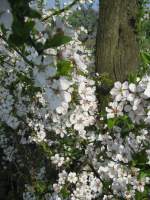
(52, 133)
(132, 99)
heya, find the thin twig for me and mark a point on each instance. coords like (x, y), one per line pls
(98, 176)
(18, 51)
(61, 10)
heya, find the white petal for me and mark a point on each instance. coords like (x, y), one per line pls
(127, 108)
(67, 96)
(147, 91)
(117, 85)
(132, 87)
(125, 85)
(118, 97)
(131, 97)
(64, 83)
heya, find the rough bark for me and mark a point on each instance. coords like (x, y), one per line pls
(116, 46)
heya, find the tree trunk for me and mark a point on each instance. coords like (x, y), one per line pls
(116, 46)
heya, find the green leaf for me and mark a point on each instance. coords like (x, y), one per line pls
(40, 187)
(34, 14)
(144, 173)
(145, 57)
(65, 193)
(132, 77)
(57, 41)
(64, 67)
(143, 195)
(111, 123)
(140, 159)
(21, 32)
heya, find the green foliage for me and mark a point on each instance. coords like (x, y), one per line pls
(132, 77)
(40, 187)
(64, 67)
(21, 9)
(56, 41)
(111, 123)
(64, 192)
(124, 122)
(21, 28)
(140, 159)
(79, 16)
(144, 173)
(45, 149)
(143, 29)
(145, 56)
(33, 14)
(21, 32)
(143, 195)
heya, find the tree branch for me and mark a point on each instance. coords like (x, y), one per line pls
(98, 176)
(61, 10)
(18, 51)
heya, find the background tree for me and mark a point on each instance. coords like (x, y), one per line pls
(117, 48)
